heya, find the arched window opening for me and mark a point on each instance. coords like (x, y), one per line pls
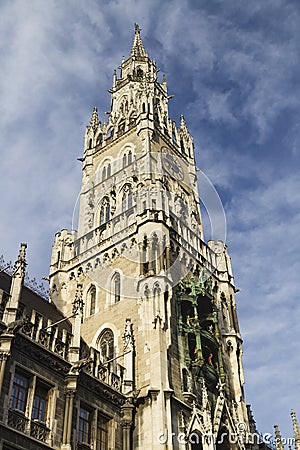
(91, 143)
(108, 170)
(105, 211)
(156, 290)
(129, 157)
(92, 300)
(184, 380)
(155, 253)
(116, 288)
(143, 108)
(124, 202)
(139, 73)
(127, 198)
(106, 345)
(192, 346)
(144, 256)
(104, 173)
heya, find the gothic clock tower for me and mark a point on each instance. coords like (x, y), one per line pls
(159, 303)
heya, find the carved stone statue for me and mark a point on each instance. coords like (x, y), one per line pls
(15, 326)
(77, 366)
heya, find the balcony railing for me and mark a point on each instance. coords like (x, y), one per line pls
(39, 431)
(55, 340)
(36, 429)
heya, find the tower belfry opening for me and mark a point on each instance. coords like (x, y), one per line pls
(142, 264)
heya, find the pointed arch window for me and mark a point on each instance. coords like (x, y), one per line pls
(156, 290)
(127, 158)
(155, 252)
(106, 345)
(105, 211)
(106, 172)
(127, 199)
(116, 288)
(92, 300)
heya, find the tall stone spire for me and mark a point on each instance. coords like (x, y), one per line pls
(137, 47)
(296, 430)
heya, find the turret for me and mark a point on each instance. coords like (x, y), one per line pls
(278, 441)
(296, 430)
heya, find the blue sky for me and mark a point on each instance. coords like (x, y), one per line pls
(234, 68)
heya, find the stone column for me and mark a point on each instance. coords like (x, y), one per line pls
(126, 424)
(3, 358)
(71, 383)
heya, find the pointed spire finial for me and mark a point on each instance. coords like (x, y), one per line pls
(278, 440)
(296, 430)
(94, 119)
(137, 47)
(137, 28)
(20, 264)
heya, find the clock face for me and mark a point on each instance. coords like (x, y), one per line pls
(172, 166)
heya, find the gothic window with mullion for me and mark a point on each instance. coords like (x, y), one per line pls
(106, 345)
(106, 172)
(127, 158)
(127, 200)
(105, 211)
